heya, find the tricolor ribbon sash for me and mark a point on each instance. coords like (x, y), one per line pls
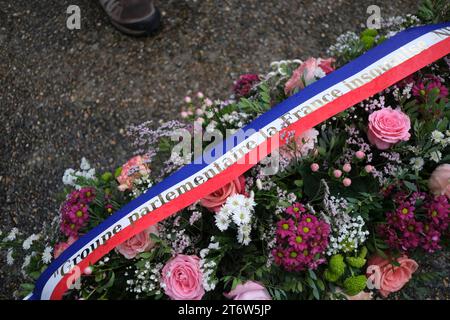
(388, 63)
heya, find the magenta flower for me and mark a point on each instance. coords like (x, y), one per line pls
(301, 240)
(423, 87)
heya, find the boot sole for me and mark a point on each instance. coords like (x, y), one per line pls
(146, 27)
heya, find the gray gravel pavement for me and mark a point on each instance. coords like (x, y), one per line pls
(67, 94)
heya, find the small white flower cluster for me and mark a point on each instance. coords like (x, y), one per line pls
(29, 241)
(397, 23)
(237, 119)
(238, 209)
(417, 163)
(343, 44)
(70, 175)
(146, 279)
(347, 237)
(208, 267)
(440, 138)
(404, 94)
(179, 241)
(270, 237)
(141, 184)
(195, 216)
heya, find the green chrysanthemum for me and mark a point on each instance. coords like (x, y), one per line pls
(369, 33)
(337, 264)
(356, 262)
(331, 276)
(354, 285)
(363, 252)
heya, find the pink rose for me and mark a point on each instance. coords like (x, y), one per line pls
(215, 200)
(307, 73)
(439, 182)
(387, 127)
(132, 170)
(249, 291)
(138, 243)
(62, 246)
(301, 145)
(182, 278)
(388, 278)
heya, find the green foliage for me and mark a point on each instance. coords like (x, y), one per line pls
(434, 11)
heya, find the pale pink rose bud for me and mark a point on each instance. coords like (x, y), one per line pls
(190, 113)
(337, 173)
(88, 271)
(314, 167)
(360, 155)
(187, 99)
(368, 168)
(347, 167)
(184, 114)
(200, 95)
(347, 182)
(208, 102)
(199, 112)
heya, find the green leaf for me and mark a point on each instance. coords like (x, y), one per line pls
(410, 186)
(312, 274)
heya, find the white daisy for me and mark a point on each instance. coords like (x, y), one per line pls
(236, 200)
(242, 216)
(47, 255)
(222, 221)
(29, 241)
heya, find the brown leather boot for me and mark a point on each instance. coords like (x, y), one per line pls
(133, 17)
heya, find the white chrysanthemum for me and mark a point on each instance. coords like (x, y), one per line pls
(222, 221)
(29, 241)
(69, 177)
(12, 235)
(236, 200)
(9, 257)
(242, 216)
(47, 255)
(85, 166)
(249, 203)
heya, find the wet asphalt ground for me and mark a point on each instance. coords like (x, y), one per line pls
(67, 94)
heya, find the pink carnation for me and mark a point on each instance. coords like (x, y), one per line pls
(132, 170)
(182, 278)
(139, 243)
(387, 127)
